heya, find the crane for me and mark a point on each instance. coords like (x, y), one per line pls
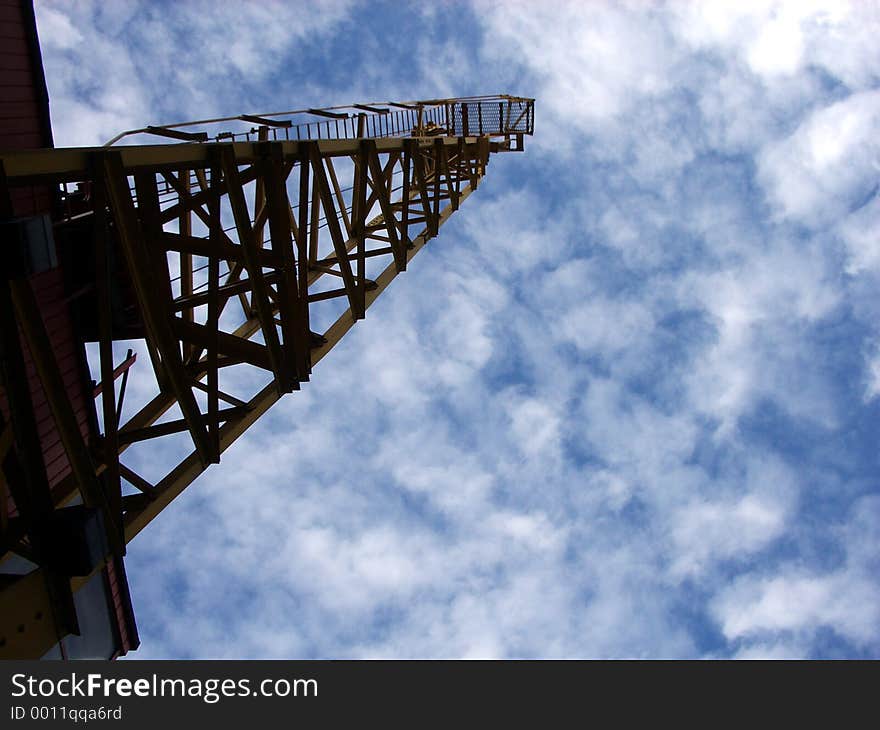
(240, 251)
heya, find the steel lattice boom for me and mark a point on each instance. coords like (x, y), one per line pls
(241, 255)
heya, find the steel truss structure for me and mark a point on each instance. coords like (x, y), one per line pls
(247, 255)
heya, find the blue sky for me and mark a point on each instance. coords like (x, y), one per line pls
(626, 405)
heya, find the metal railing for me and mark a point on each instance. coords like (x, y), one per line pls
(498, 115)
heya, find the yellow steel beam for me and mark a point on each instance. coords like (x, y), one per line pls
(294, 236)
(156, 319)
(74, 163)
(191, 467)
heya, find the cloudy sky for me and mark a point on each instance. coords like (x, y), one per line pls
(626, 405)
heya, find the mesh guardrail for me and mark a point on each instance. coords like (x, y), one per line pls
(492, 117)
(470, 116)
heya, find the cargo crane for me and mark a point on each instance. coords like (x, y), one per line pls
(240, 251)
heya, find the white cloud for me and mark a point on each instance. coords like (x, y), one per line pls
(732, 524)
(535, 426)
(872, 387)
(860, 232)
(627, 431)
(118, 66)
(592, 63)
(604, 391)
(794, 603)
(57, 31)
(828, 165)
(603, 327)
(758, 308)
(798, 602)
(781, 38)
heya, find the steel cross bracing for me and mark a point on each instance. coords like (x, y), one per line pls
(245, 255)
(315, 257)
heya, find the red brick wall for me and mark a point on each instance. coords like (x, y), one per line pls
(24, 123)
